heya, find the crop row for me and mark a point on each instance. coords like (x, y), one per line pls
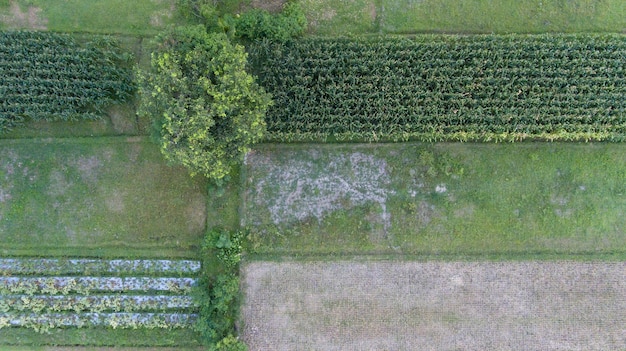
(29, 266)
(441, 87)
(96, 303)
(89, 285)
(43, 76)
(44, 322)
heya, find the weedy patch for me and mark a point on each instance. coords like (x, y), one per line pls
(294, 188)
(30, 18)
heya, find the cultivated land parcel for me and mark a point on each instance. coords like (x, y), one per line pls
(404, 246)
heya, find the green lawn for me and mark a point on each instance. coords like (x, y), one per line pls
(183, 339)
(504, 200)
(97, 197)
(327, 17)
(143, 17)
(503, 16)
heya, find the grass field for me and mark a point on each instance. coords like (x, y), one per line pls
(437, 306)
(150, 339)
(503, 200)
(97, 197)
(505, 16)
(328, 17)
(144, 17)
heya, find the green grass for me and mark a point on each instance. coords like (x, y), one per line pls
(144, 17)
(97, 197)
(328, 17)
(20, 337)
(505, 16)
(500, 200)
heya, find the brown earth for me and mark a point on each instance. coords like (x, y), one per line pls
(434, 306)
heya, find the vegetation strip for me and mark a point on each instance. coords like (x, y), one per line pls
(446, 88)
(114, 320)
(95, 303)
(42, 266)
(87, 285)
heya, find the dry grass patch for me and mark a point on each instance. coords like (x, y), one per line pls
(434, 306)
(29, 18)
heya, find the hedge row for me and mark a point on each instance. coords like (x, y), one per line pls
(444, 87)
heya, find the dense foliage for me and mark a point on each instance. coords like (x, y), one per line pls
(441, 87)
(218, 294)
(48, 76)
(251, 24)
(207, 108)
(260, 24)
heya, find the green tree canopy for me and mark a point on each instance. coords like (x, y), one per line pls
(207, 109)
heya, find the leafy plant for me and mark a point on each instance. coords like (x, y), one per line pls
(260, 24)
(218, 296)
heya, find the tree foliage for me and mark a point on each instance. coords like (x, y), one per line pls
(207, 109)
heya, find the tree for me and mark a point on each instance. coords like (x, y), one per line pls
(207, 109)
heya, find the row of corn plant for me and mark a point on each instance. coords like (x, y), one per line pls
(445, 87)
(48, 76)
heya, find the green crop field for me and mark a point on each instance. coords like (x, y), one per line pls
(446, 88)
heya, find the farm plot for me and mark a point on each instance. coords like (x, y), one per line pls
(107, 296)
(101, 197)
(434, 306)
(507, 200)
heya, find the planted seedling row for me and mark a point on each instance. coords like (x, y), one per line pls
(29, 266)
(113, 320)
(97, 303)
(89, 285)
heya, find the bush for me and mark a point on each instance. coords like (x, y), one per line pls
(260, 24)
(218, 296)
(229, 343)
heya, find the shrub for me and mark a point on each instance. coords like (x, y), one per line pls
(218, 296)
(260, 24)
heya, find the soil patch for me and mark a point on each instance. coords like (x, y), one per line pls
(30, 18)
(434, 306)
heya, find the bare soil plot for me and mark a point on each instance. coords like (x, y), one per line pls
(434, 306)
